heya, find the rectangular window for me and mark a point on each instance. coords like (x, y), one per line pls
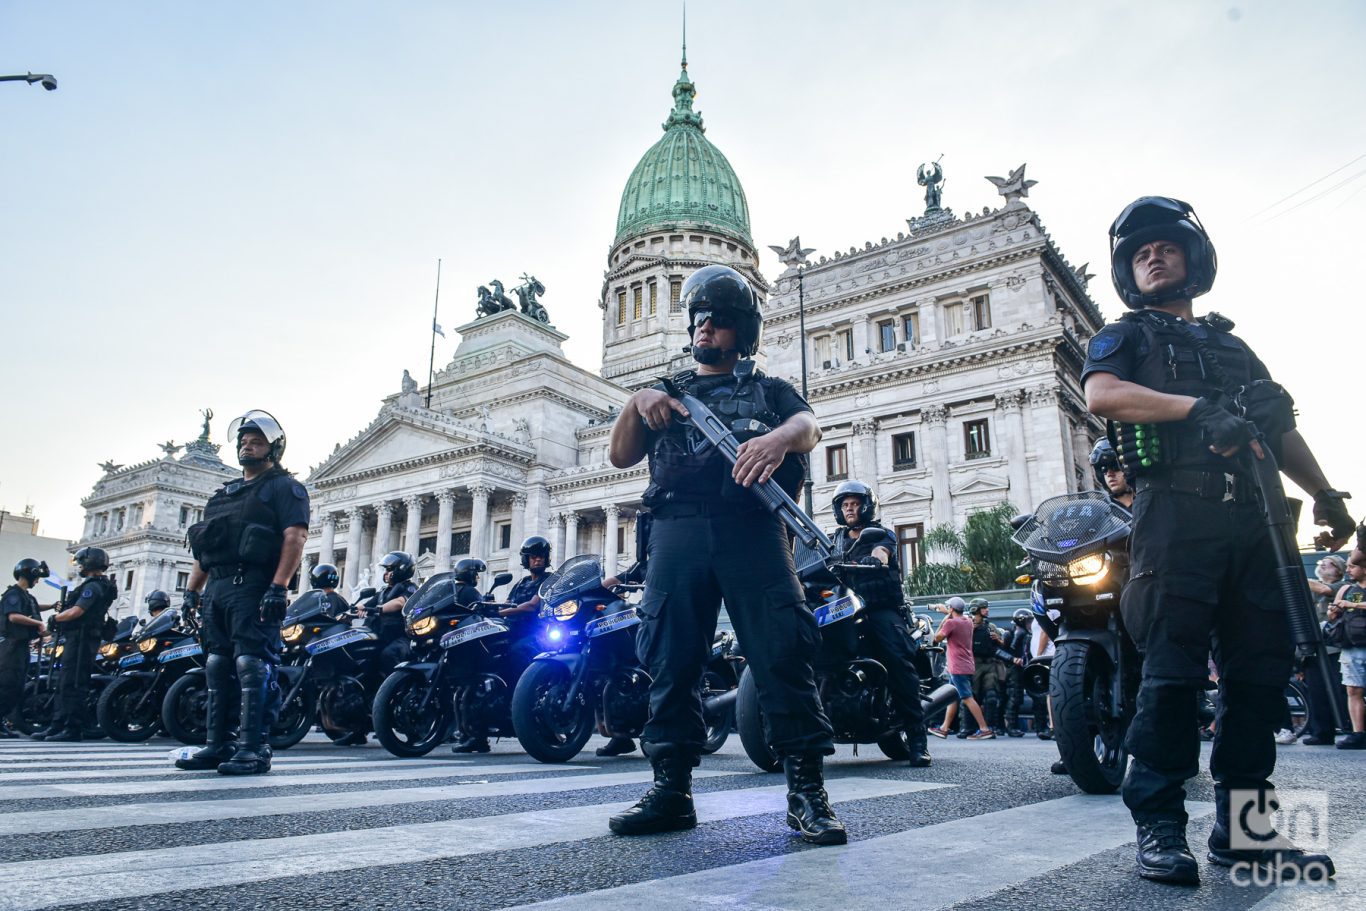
(426, 546)
(637, 296)
(908, 546)
(844, 344)
(903, 451)
(460, 542)
(621, 540)
(184, 516)
(981, 312)
(822, 351)
(181, 581)
(504, 535)
(128, 581)
(886, 335)
(910, 329)
(953, 319)
(836, 462)
(976, 440)
(654, 298)
(675, 296)
(621, 308)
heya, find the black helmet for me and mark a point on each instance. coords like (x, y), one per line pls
(1023, 616)
(398, 562)
(979, 606)
(324, 575)
(1151, 218)
(1103, 458)
(31, 569)
(263, 423)
(91, 559)
(867, 510)
(716, 289)
(536, 546)
(158, 601)
(468, 570)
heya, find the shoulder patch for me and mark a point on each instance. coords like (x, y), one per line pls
(87, 592)
(1104, 344)
(300, 492)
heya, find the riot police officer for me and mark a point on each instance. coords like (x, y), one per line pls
(246, 550)
(713, 539)
(398, 588)
(81, 625)
(883, 631)
(1013, 652)
(19, 625)
(1109, 474)
(324, 579)
(1202, 565)
(156, 602)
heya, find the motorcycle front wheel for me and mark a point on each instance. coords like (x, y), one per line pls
(403, 726)
(545, 728)
(185, 710)
(126, 712)
(296, 718)
(720, 722)
(749, 721)
(1090, 739)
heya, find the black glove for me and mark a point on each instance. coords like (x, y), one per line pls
(273, 604)
(1222, 428)
(869, 560)
(190, 602)
(1331, 511)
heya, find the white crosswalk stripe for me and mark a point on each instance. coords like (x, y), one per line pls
(166, 768)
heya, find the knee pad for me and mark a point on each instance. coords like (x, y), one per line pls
(252, 672)
(219, 670)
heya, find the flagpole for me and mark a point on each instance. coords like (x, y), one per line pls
(431, 362)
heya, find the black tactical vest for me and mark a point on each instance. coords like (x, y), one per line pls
(18, 601)
(96, 606)
(678, 474)
(1170, 361)
(877, 588)
(238, 530)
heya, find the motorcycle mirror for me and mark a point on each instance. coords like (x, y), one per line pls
(500, 580)
(366, 593)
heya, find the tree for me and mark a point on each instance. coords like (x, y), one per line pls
(980, 558)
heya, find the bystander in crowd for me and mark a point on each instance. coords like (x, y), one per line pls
(955, 631)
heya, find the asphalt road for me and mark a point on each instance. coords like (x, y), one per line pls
(112, 826)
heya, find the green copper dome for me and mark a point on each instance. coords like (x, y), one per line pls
(683, 180)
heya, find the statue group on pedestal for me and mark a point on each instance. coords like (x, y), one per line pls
(496, 301)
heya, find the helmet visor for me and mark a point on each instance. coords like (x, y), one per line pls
(260, 421)
(1150, 211)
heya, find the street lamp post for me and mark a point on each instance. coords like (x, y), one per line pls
(46, 80)
(794, 257)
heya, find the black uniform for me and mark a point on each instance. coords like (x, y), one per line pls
(14, 647)
(522, 627)
(1201, 575)
(393, 643)
(239, 544)
(1014, 644)
(987, 674)
(883, 633)
(711, 539)
(81, 643)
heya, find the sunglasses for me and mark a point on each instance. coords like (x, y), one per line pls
(719, 319)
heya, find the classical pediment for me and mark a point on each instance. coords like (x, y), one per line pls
(980, 482)
(904, 493)
(395, 440)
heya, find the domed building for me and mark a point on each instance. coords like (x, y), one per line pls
(682, 208)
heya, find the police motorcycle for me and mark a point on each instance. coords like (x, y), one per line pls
(40, 688)
(129, 709)
(331, 663)
(455, 670)
(1077, 567)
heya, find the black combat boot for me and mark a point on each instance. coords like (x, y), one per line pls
(252, 756)
(1163, 854)
(617, 746)
(808, 806)
(666, 807)
(66, 735)
(6, 731)
(220, 746)
(918, 747)
(353, 739)
(472, 745)
(1279, 854)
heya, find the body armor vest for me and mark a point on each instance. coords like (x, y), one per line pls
(390, 626)
(95, 606)
(679, 474)
(1170, 361)
(983, 648)
(238, 529)
(27, 605)
(877, 588)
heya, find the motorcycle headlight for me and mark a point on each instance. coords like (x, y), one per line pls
(109, 650)
(1088, 570)
(147, 645)
(293, 633)
(565, 610)
(423, 626)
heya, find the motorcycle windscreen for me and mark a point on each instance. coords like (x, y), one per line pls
(573, 576)
(810, 562)
(436, 593)
(305, 607)
(161, 624)
(1069, 526)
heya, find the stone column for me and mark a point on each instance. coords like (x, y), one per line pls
(571, 536)
(305, 566)
(353, 551)
(167, 580)
(557, 540)
(445, 507)
(865, 462)
(479, 522)
(1081, 454)
(613, 512)
(384, 523)
(518, 521)
(1017, 465)
(329, 539)
(412, 531)
(861, 340)
(937, 452)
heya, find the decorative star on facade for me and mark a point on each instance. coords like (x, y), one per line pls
(1014, 187)
(793, 255)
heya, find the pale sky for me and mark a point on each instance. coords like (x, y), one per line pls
(241, 205)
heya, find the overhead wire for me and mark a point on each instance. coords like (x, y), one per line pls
(1308, 185)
